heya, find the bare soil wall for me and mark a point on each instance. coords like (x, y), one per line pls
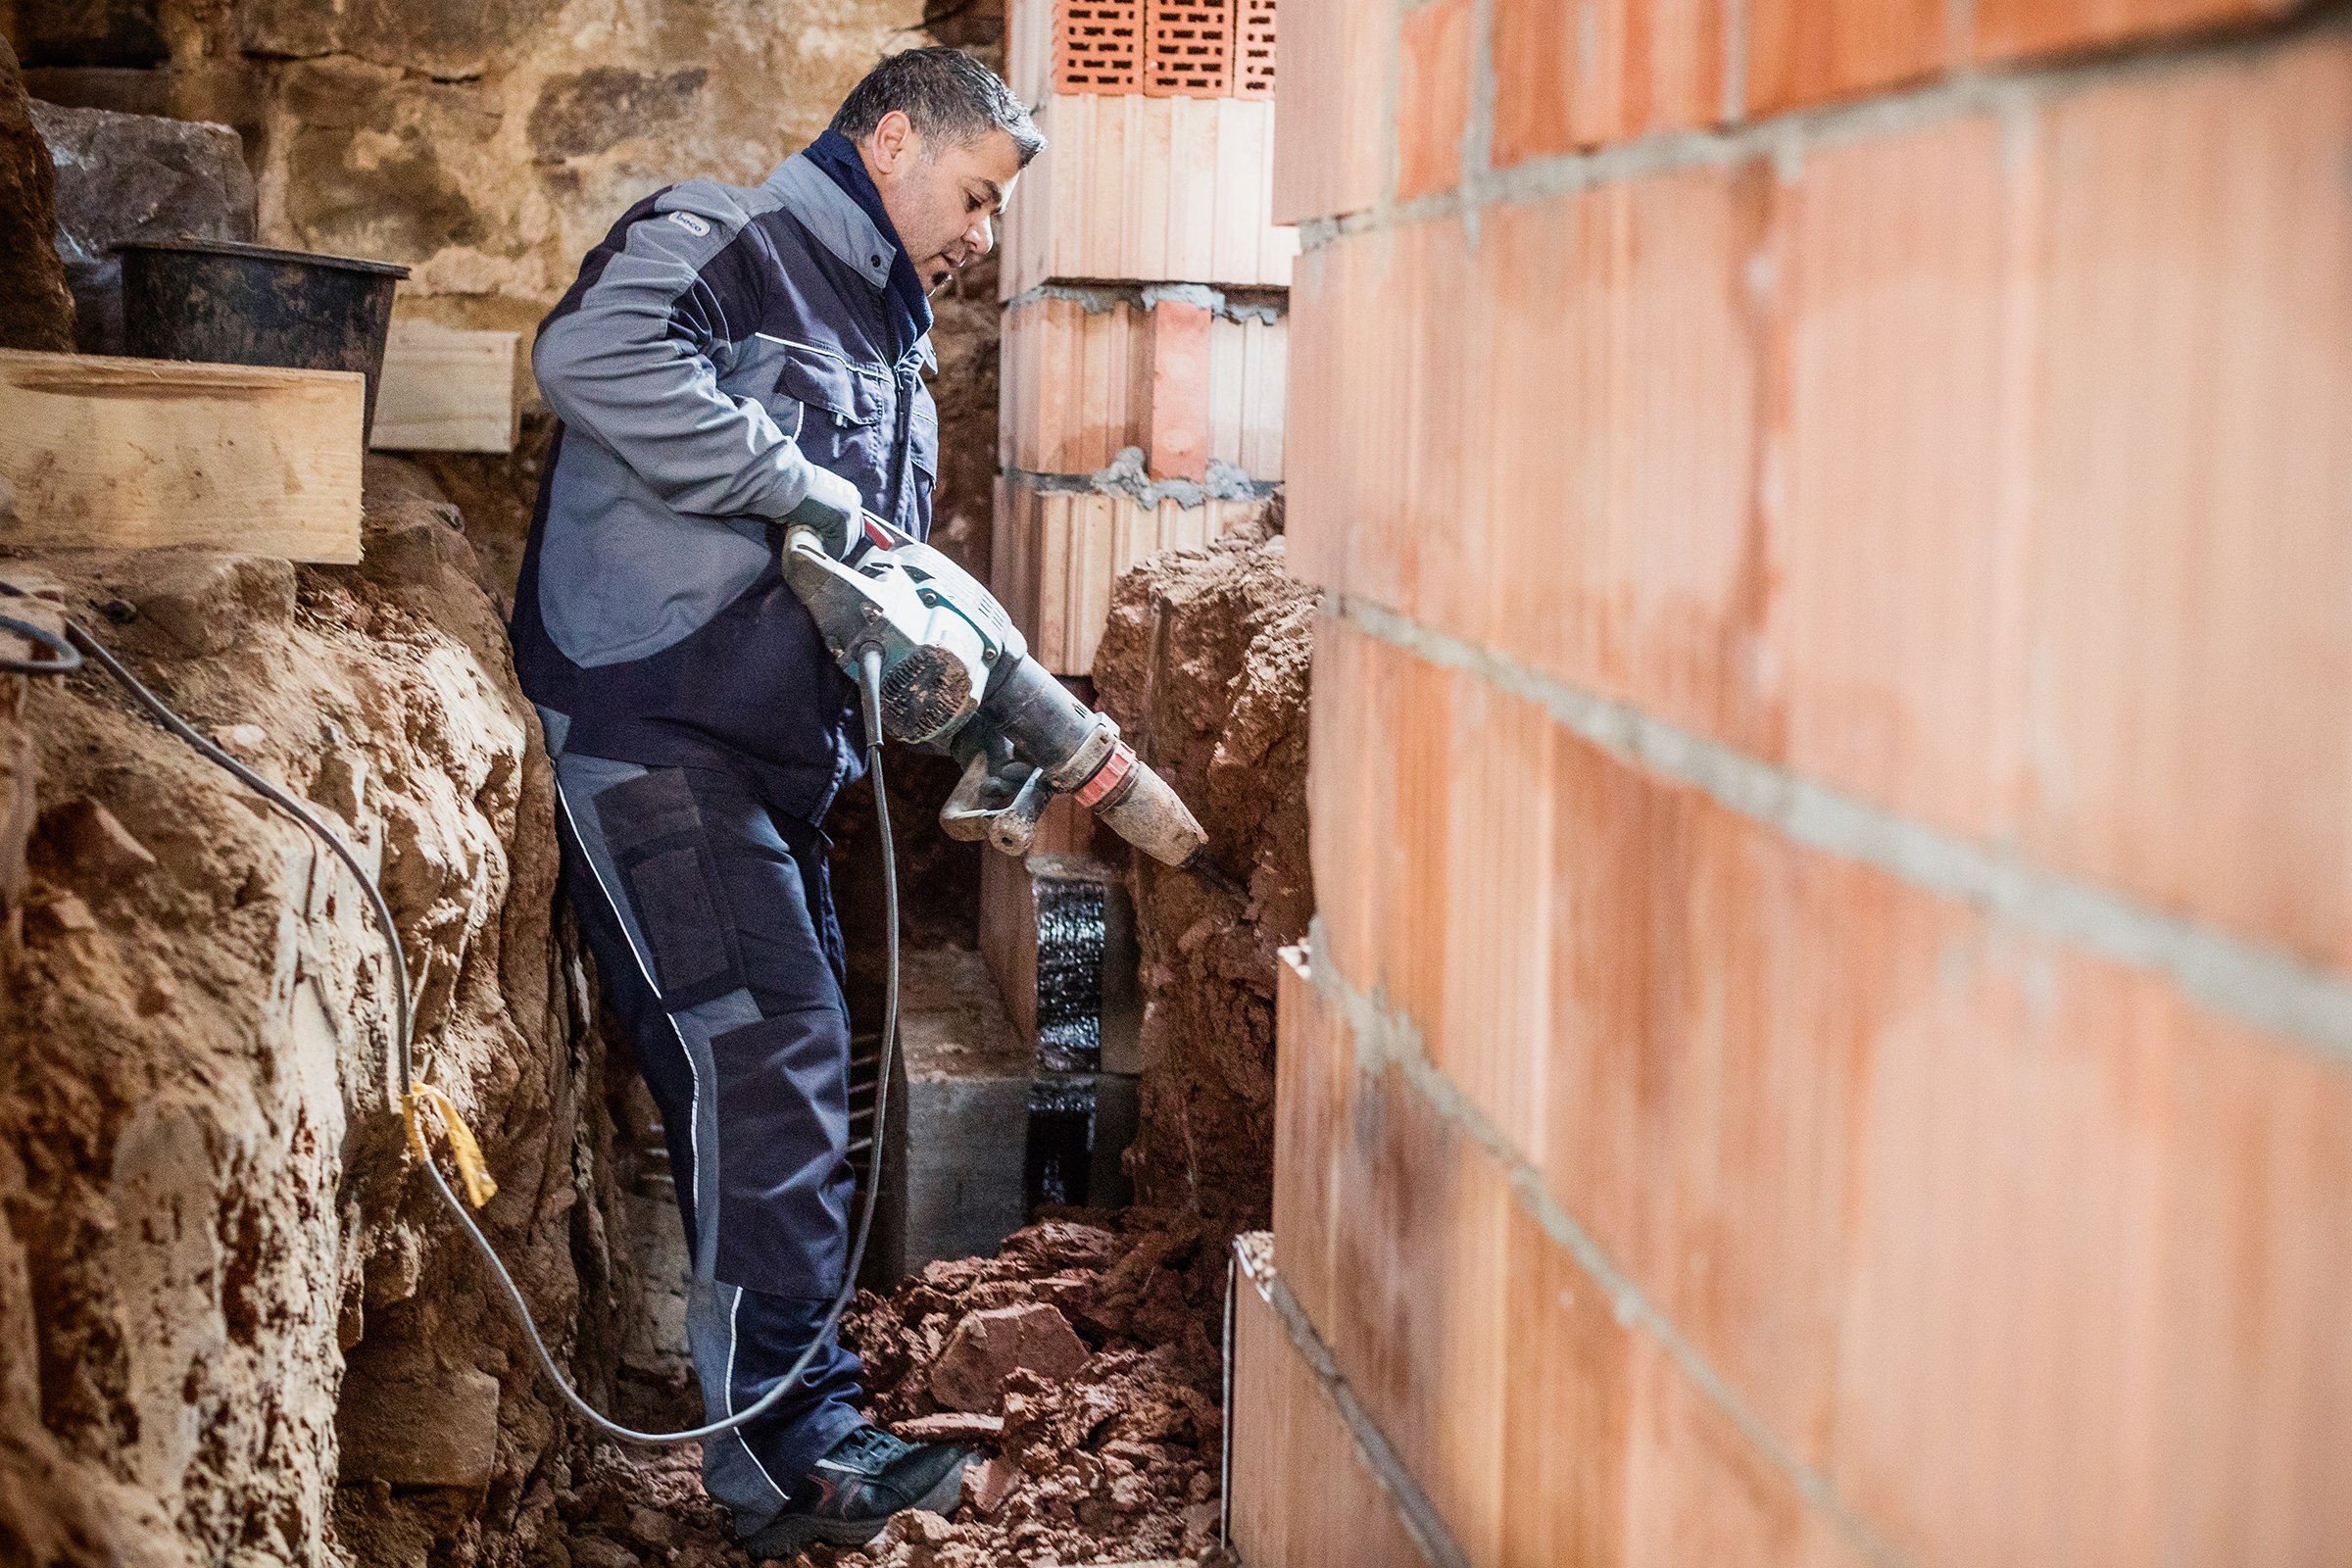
(236, 1327)
(1206, 665)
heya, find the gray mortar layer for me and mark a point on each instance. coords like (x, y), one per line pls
(1267, 305)
(2259, 984)
(1783, 139)
(1386, 1040)
(1126, 476)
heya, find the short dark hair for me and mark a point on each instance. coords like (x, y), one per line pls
(950, 98)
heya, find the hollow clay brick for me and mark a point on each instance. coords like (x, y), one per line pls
(1054, 555)
(2190, 468)
(2009, 30)
(1303, 1493)
(1991, 567)
(1314, 1067)
(1099, 45)
(1081, 384)
(1149, 190)
(1895, 518)
(1433, 96)
(1968, 1221)
(1575, 73)
(1331, 133)
(1188, 48)
(1418, 1296)
(1803, 52)
(1254, 63)
(1177, 445)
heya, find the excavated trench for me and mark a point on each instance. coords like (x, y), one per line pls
(234, 1325)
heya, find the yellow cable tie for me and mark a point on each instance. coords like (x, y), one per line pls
(472, 1169)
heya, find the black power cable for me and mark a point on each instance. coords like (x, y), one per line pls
(77, 642)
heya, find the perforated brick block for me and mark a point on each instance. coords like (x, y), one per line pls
(1097, 46)
(1188, 50)
(1253, 69)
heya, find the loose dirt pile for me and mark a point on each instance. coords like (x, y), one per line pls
(1204, 664)
(1083, 1363)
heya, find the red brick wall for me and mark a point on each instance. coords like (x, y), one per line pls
(1829, 1035)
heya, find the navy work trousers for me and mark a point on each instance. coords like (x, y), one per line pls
(712, 923)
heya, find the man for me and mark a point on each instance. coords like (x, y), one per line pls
(730, 361)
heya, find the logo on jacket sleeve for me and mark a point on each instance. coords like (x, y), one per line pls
(690, 224)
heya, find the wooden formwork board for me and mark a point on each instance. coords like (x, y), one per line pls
(1142, 189)
(1084, 379)
(1057, 553)
(445, 390)
(123, 454)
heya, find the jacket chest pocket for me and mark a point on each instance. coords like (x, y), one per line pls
(843, 413)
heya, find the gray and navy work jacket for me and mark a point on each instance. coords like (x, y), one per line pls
(718, 343)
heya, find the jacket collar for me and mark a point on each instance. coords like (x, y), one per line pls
(839, 224)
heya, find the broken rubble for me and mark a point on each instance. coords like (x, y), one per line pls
(989, 1347)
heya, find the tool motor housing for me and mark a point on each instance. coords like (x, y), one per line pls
(956, 676)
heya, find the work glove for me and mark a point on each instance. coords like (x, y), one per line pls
(832, 508)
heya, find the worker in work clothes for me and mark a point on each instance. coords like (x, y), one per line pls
(728, 363)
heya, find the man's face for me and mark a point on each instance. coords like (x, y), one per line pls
(944, 200)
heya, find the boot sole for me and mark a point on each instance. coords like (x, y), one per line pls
(795, 1533)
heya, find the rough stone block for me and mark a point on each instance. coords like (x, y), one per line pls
(419, 1428)
(123, 177)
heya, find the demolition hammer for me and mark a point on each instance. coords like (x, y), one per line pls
(953, 674)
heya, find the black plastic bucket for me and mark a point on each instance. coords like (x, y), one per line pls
(226, 303)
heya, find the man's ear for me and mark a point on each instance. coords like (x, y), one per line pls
(894, 142)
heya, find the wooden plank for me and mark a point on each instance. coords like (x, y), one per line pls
(132, 454)
(446, 390)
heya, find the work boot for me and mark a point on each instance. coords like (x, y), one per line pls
(860, 1482)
